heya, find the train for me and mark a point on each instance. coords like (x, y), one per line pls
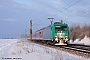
(56, 34)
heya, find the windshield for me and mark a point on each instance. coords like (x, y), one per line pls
(60, 27)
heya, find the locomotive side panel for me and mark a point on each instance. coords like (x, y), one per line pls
(47, 33)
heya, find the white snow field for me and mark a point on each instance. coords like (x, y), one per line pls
(25, 50)
(31, 51)
(5, 45)
(28, 51)
(85, 41)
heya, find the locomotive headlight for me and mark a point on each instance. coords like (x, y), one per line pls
(66, 38)
(56, 38)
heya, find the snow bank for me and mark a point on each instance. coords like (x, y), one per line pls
(31, 51)
(28, 51)
(5, 45)
(85, 41)
(25, 50)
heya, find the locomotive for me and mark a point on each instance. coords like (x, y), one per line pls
(56, 34)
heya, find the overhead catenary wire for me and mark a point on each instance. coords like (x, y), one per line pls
(77, 14)
(37, 23)
(58, 12)
(67, 7)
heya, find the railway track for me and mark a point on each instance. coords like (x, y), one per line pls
(79, 48)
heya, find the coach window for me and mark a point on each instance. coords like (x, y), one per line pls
(39, 32)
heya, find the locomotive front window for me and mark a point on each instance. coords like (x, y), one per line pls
(61, 28)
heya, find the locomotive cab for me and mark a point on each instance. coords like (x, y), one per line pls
(60, 33)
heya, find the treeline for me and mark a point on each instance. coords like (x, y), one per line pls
(78, 32)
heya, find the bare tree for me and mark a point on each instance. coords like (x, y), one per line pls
(77, 32)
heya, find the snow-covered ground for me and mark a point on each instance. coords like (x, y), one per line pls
(5, 45)
(25, 50)
(20, 50)
(85, 41)
(28, 51)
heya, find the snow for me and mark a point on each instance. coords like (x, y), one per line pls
(37, 56)
(5, 45)
(28, 51)
(32, 51)
(25, 50)
(85, 41)
(77, 40)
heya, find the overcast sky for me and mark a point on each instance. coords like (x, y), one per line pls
(16, 14)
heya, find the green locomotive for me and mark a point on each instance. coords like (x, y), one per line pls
(60, 33)
(57, 34)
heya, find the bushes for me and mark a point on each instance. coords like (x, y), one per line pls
(77, 32)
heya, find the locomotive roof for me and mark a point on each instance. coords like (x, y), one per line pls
(61, 24)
